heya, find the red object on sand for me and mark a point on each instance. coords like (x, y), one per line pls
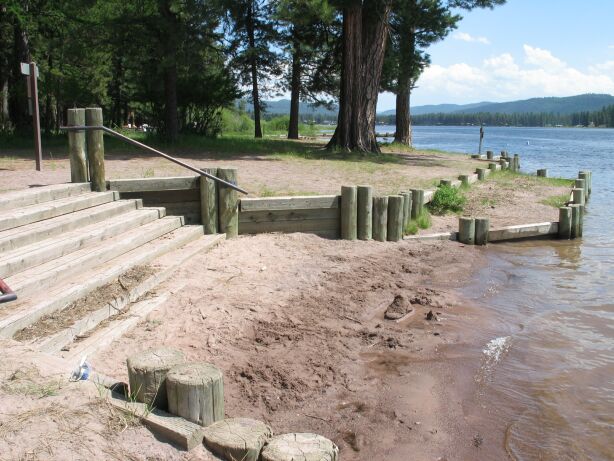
(7, 294)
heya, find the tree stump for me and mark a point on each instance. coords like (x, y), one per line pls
(300, 447)
(237, 438)
(147, 374)
(195, 391)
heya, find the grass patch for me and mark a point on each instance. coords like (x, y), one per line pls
(555, 201)
(421, 222)
(508, 178)
(447, 199)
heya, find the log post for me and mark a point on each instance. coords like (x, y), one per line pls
(565, 222)
(466, 230)
(542, 173)
(578, 195)
(300, 446)
(464, 179)
(482, 226)
(76, 146)
(492, 167)
(195, 391)
(395, 218)
(445, 182)
(503, 164)
(365, 212)
(490, 154)
(208, 202)
(503, 154)
(95, 149)
(481, 174)
(575, 220)
(417, 203)
(147, 375)
(406, 209)
(516, 163)
(237, 438)
(380, 218)
(228, 203)
(581, 220)
(583, 181)
(349, 212)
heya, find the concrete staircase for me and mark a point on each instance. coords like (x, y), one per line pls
(58, 244)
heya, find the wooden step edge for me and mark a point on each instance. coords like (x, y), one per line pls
(10, 200)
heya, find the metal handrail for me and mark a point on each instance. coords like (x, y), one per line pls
(6, 293)
(155, 151)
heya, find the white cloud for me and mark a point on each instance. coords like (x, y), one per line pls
(465, 37)
(503, 78)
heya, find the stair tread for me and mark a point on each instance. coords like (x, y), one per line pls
(34, 195)
(74, 240)
(26, 310)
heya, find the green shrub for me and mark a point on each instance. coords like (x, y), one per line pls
(234, 121)
(280, 123)
(421, 222)
(447, 198)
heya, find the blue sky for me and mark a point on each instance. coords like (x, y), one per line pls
(524, 49)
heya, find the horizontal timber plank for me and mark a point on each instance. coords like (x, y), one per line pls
(288, 215)
(314, 225)
(179, 209)
(152, 198)
(523, 231)
(427, 237)
(428, 196)
(289, 203)
(154, 184)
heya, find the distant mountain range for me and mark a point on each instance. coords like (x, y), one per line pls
(565, 105)
(282, 107)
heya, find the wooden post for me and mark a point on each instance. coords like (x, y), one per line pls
(475, 156)
(481, 174)
(490, 154)
(466, 230)
(76, 146)
(464, 179)
(583, 176)
(365, 212)
(417, 203)
(36, 121)
(406, 209)
(195, 392)
(565, 222)
(208, 202)
(228, 203)
(147, 375)
(95, 149)
(516, 163)
(380, 218)
(578, 195)
(575, 220)
(542, 173)
(482, 226)
(395, 218)
(503, 154)
(445, 182)
(492, 167)
(503, 164)
(349, 212)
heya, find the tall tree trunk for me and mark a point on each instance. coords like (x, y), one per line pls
(403, 120)
(295, 92)
(364, 41)
(170, 45)
(254, 70)
(18, 99)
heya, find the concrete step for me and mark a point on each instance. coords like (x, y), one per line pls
(39, 212)
(28, 309)
(165, 265)
(26, 197)
(11, 239)
(46, 275)
(13, 262)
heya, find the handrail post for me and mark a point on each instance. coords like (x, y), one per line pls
(95, 149)
(228, 203)
(76, 147)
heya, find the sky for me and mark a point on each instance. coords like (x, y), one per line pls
(521, 50)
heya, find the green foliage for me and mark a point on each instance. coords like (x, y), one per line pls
(279, 123)
(234, 121)
(556, 201)
(423, 221)
(447, 199)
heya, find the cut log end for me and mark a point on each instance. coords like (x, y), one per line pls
(301, 446)
(237, 438)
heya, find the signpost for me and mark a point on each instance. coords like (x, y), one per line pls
(30, 70)
(481, 137)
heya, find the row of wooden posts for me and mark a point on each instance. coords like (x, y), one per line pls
(571, 217)
(381, 218)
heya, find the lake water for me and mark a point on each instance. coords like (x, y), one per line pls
(547, 374)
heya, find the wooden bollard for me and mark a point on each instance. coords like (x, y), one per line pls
(147, 375)
(482, 226)
(575, 220)
(466, 230)
(349, 212)
(95, 149)
(492, 167)
(195, 391)
(406, 208)
(503, 164)
(516, 163)
(209, 202)
(565, 222)
(228, 203)
(464, 179)
(503, 154)
(481, 174)
(578, 195)
(76, 146)
(445, 182)
(417, 203)
(583, 176)
(490, 154)
(380, 218)
(475, 155)
(542, 173)
(395, 218)
(365, 212)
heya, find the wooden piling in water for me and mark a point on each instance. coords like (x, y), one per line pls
(365, 212)
(417, 203)
(583, 176)
(209, 202)
(482, 225)
(466, 230)
(380, 218)
(578, 195)
(349, 212)
(575, 220)
(95, 149)
(395, 218)
(76, 146)
(516, 163)
(565, 222)
(228, 204)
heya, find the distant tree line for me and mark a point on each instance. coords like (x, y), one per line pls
(175, 64)
(600, 118)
